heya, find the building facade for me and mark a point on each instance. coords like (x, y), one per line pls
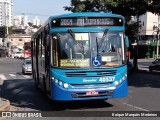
(17, 41)
(20, 21)
(36, 21)
(148, 43)
(6, 12)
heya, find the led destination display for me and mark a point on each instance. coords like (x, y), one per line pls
(87, 21)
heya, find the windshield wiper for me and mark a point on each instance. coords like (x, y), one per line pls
(102, 39)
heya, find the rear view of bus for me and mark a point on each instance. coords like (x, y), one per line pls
(85, 57)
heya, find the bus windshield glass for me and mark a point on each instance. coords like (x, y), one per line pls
(95, 49)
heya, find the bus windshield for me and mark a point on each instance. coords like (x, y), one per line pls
(96, 49)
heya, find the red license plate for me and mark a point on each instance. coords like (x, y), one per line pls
(91, 92)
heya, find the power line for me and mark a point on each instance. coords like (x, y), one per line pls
(34, 14)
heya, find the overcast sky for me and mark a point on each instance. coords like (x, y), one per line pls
(41, 8)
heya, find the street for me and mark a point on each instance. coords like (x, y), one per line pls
(143, 94)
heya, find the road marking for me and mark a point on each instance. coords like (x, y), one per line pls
(3, 77)
(12, 75)
(139, 108)
(26, 76)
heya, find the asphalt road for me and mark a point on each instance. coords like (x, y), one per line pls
(143, 91)
(10, 65)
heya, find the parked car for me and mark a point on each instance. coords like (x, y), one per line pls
(18, 55)
(129, 67)
(155, 65)
(27, 66)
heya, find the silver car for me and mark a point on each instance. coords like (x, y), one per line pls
(26, 66)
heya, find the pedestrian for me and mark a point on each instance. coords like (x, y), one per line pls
(6, 54)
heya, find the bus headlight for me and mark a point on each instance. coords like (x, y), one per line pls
(116, 83)
(56, 81)
(120, 81)
(65, 85)
(123, 78)
(60, 83)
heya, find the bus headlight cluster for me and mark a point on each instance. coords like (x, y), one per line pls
(60, 83)
(121, 80)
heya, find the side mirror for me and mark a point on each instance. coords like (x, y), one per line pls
(127, 41)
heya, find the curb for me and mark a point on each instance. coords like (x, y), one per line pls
(4, 103)
(5, 106)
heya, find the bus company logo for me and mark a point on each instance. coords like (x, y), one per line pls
(21, 114)
(6, 114)
(91, 80)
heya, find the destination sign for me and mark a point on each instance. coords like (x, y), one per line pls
(87, 21)
(75, 63)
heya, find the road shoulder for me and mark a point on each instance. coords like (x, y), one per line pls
(4, 105)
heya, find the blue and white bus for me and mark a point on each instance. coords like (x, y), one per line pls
(81, 56)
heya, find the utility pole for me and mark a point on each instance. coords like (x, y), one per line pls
(135, 49)
(158, 36)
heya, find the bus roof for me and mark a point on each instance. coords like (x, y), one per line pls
(79, 14)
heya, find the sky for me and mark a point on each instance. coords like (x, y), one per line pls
(41, 8)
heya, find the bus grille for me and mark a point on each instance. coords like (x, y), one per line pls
(91, 73)
(91, 85)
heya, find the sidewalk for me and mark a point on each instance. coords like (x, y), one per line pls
(4, 104)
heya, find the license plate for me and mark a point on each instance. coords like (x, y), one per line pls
(91, 92)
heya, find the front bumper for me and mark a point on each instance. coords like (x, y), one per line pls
(62, 94)
(28, 71)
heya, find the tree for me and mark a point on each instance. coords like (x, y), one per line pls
(11, 30)
(30, 24)
(154, 6)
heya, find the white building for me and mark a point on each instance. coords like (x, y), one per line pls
(20, 21)
(147, 22)
(6, 12)
(148, 35)
(36, 21)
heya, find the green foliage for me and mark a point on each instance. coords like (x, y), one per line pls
(34, 26)
(30, 24)
(132, 32)
(154, 6)
(11, 30)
